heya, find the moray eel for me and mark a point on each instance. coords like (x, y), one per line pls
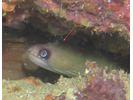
(65, 59)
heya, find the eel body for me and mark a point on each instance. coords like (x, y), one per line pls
(65, 59)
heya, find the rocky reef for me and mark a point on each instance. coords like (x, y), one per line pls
(103, 16)
(106, 22)
(98, 84)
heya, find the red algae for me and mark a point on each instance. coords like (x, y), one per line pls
(116, 11)
(59, 16)
(102, 85)
(98, 84)
(14, 12)
(49, 97)
(114, 6)
(31, 80)
(97, 12)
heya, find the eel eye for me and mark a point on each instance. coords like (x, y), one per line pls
(43, 53)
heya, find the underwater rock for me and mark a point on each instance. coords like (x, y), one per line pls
(103, 16)
(14, 12)
(98, 84)
(106, 22)
(101, 21)
(102, 85)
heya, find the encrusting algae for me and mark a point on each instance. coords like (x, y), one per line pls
(102, 85)
(58, 17)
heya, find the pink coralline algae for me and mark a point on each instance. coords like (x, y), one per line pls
(102, 85)
(101, 16)
(15, 11)
(58, 17)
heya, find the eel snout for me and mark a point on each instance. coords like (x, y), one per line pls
(39, 54)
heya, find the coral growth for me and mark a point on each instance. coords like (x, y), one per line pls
(59, 16)
(103, 16)
(15, 11)
(101, 85)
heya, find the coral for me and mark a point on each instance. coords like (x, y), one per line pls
(104, 21)
(15, 11)
(102, 85)
(59, 16)
(103, 16)
(98, 84)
